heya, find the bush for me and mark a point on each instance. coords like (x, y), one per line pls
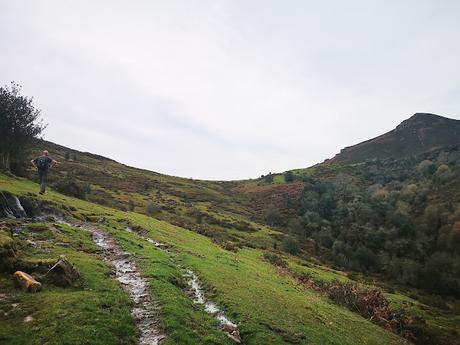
(289, 176)
(370, 303)
(275, 259)
(152, 209)
(72, 188)
(273, 216)
(290, 245)
(268, 178)
(131, 205)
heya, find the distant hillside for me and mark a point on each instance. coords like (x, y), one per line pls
(420, 133)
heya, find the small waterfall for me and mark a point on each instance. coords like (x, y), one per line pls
(10, 206)
(18, 207)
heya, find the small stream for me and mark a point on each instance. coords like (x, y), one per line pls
(230, 328)
(127, 273)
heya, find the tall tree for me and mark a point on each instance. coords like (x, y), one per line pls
(20, 123)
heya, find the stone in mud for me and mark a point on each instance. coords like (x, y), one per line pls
(235, 336)
(229, 328)
(63, 273)
(26, 282)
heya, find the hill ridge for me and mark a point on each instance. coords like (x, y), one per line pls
(420, 133)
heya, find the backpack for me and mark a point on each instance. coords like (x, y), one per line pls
(43, 163)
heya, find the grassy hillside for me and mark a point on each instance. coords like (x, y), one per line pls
(213, 208)
(295, 258)
(270, 306)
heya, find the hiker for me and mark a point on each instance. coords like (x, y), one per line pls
(42, 164)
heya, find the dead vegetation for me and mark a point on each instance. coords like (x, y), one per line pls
(372, 304)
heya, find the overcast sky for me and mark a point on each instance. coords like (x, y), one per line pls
(230, 89)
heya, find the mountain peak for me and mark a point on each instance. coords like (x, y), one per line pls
(420, 133)
(425, 117)
(422, 120)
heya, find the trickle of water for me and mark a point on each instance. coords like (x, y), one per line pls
(19, 206)
(159, 245)
(229, 327)
(129, 276)
(10, 206)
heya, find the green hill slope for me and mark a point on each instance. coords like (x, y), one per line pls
(270, 308)
(386, 211)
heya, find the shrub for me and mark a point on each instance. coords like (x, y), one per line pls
(289, 176)
(290, 245)
(72, 188)
(275, 259)
(152, 209)
(273, 216)
(130, 205)
(268, 178)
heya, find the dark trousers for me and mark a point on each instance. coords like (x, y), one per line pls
(43, 176)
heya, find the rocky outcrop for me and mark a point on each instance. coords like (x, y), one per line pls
(63, 273)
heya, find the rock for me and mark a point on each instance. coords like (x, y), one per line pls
(63, 273)
(227, 327)
(26, 282)
(28, 318)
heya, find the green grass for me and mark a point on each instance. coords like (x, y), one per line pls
(271, 307)
(317, 272)
(96, 310)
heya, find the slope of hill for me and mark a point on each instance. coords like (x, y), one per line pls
(420, 133)
(269, 306)
(272, 251)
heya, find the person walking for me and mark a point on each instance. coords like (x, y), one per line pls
(42, 164)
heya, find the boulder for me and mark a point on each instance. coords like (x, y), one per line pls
(26, 282)
(63, 273)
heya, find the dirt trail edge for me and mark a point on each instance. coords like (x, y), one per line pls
(127, 273)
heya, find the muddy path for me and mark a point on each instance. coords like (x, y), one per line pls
(198, 295)
(128, 274)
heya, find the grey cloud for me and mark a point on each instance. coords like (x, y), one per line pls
(230, 89)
